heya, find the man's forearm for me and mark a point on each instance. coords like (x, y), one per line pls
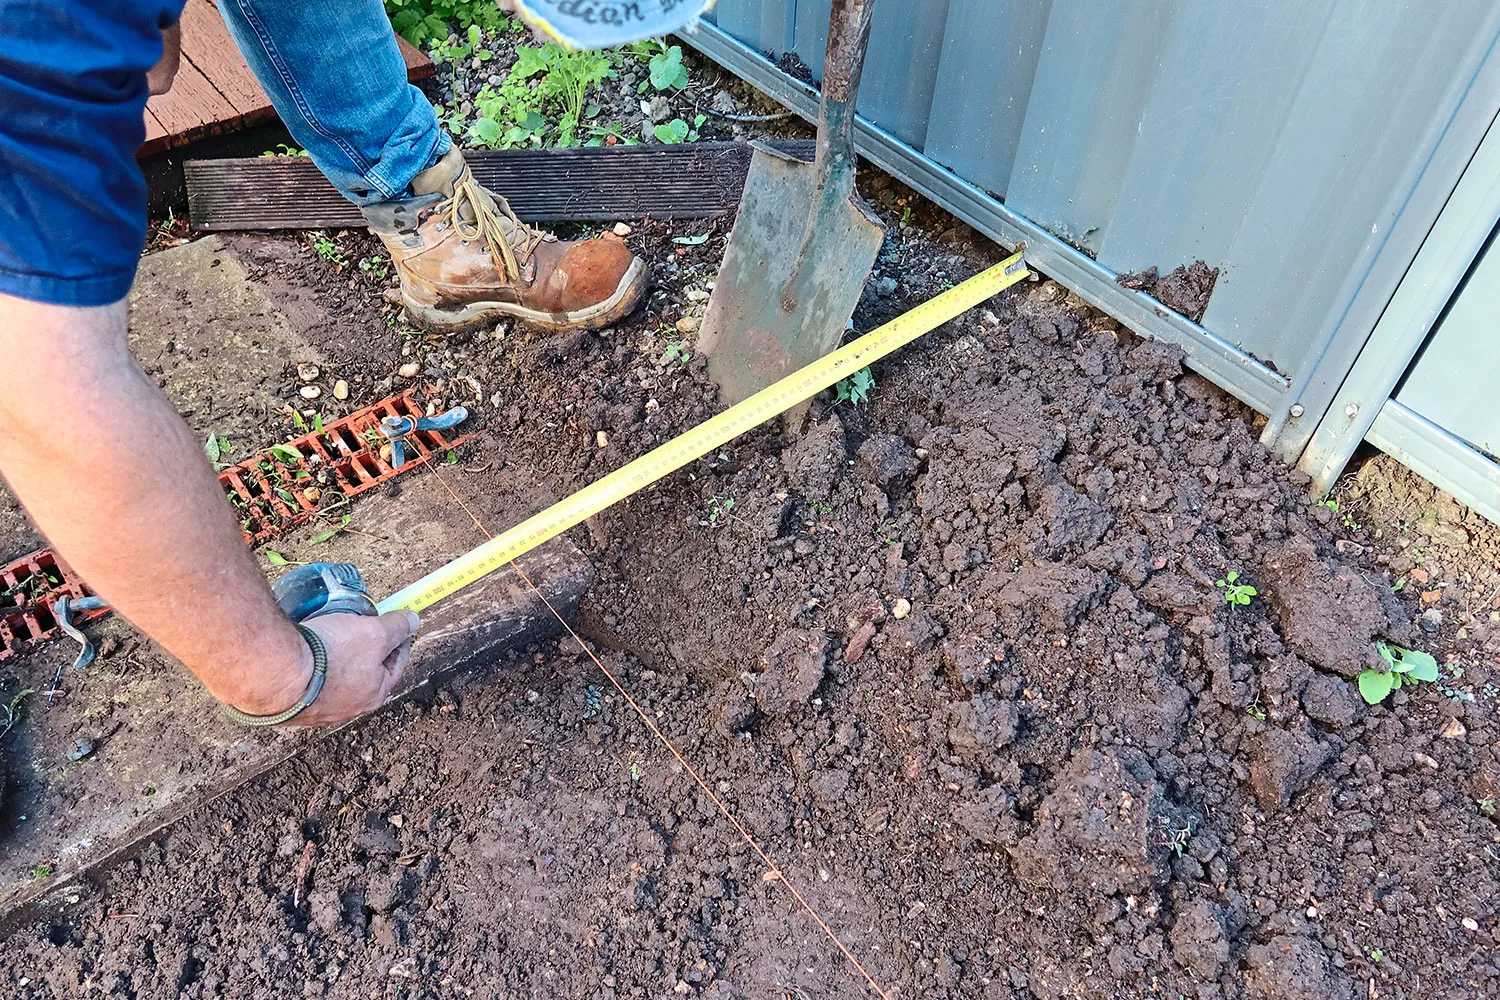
(117, 483)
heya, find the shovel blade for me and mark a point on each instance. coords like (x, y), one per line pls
(763, 323)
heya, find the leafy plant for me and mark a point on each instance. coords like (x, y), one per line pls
(1236, 595)
(719, 509)
(375, 264)
(676, 352)
(327, 249)
(42, 870)
(855, 389)
(451, 458)
(1487, 806)
(216, 448)
(676, 131)
(1177, 840)
(541, 100)
(285, 453)
(667, 70)
(424, 21)
(282, 149)
(11, 715)
(277, 559)
(1404, 667)
(324, 536)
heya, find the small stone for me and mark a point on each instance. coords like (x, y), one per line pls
(313, 494)
(1470, 924)
(308, 372)
(688, 324)
(497, 399)
(602, 439)
(652, 405)
(696, 295)
(409, 370)
(81, 749)
(501, 329)
(1431, 596)
(988, 318)
(1431, 620)
(901, 608)
(622, 230)
(310, 392)
(1454, 730)
(341, 390)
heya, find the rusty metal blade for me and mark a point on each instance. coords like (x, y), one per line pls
(758, 327)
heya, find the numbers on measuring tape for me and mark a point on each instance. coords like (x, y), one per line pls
(693, 444)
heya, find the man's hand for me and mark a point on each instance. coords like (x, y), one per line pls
(366, 657)
(156, 538)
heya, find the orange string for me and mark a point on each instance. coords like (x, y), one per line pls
(773, 872)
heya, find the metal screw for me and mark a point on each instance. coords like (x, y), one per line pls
(1296, 410)
(1351, 411)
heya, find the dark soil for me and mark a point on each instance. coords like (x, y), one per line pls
(1185, 290)
(957, 659)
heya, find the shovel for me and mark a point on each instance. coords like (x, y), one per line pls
(803, 242)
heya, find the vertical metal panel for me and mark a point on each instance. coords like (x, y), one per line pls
(812, 33)
(983, 86)
(1456, 380)
(1306, 149)
(1095, 73)
(906, 44)
(764, 25)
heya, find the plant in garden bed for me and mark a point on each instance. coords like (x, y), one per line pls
(855, 389)
(541, 100)
(424, 21)
(1236, 594)
(1405, 667)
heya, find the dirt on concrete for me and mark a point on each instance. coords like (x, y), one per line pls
(958, 659)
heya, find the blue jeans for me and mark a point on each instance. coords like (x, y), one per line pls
(72, 98)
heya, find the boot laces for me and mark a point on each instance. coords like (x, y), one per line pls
(490, 214)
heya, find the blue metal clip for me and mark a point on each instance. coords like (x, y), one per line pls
(397, 429)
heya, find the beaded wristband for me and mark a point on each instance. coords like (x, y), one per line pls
(314, 686)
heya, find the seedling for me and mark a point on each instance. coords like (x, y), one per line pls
(216, 448)
(327, 249)
(677, 130)
(676, 352)
(635, 771)
(1375, 954)
(667, 70)
(1236, 595)
(1405, 667)
(1487, 806)
(1332, 505)
(889, 533)
(855, 390)
(1178, 840)
(277, 559)
(1256, 711)
(286, 453)
(375, 265)
(11, 715)
(324, 536)
(42, 870)
(719, 510)
(282, 149)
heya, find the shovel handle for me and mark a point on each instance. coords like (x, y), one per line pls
(843, 64)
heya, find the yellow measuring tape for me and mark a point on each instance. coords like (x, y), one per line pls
(703, 439)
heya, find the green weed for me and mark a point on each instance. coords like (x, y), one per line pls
(11, 715)
(855, 390)
(541, 101)
(327, 248)
(1405, 667)
(676, 131)
(424, 21)
(282, 149)
(719, 509)
(1236, 595)
(676, 352)
(376, 265)
(666, 69)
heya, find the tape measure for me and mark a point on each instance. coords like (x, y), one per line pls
(693, 444)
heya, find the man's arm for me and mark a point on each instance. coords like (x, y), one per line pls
(120, 486)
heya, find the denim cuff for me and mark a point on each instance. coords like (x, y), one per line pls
(93, 290)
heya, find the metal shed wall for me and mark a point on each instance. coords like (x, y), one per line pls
(1305, 149)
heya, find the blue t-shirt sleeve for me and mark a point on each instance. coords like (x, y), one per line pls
(72, 101)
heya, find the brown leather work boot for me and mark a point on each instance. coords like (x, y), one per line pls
(465, 260)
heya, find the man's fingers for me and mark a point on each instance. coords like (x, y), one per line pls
(399, 626)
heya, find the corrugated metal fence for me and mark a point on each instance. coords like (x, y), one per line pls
(1311, 151)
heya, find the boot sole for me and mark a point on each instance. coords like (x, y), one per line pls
(621, 303)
